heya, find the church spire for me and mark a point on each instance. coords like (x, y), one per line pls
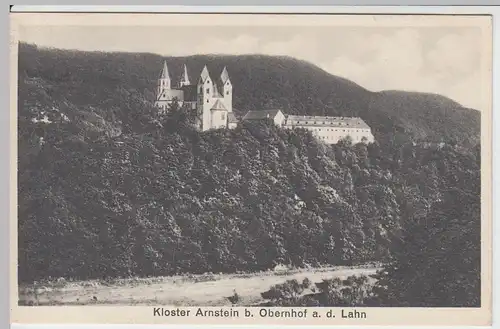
(164, 80)
(204, 74)
(224, 75)
(184, 78)
(164, 72)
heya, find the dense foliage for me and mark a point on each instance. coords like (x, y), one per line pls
(435, 262)
(108, 188)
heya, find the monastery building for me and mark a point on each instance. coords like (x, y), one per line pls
(212, 101)
(330, 130)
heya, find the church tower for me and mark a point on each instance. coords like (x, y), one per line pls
(163, 80)
(184, 78)
(205, 90)
(227, 90)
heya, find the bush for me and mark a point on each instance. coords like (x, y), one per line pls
(353, 291)
(288, 293)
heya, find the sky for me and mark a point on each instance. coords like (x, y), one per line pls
(443, 60)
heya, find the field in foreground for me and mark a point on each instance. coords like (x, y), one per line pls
(187, 290)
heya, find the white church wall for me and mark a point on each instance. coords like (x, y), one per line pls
(331, 130)
(219, 119)
(279, 119)
(206, 113)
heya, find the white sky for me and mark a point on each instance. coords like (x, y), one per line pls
(441, 60)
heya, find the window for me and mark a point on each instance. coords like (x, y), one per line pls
(207, 100)
(208, 90)
(223, 116)
(227, 92)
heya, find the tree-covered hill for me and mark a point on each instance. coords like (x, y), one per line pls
(428, 116)
(104, 80)
(106, 187)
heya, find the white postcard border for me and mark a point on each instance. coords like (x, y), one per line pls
(134, 314)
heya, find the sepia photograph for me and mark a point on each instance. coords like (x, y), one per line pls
(205, 165)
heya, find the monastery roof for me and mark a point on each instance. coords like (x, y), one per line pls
(218, 88)
(259, 115)
(326, 121)
(218, 106)
(189, 93)
(216, 92)
(231, 118)
(218, 83)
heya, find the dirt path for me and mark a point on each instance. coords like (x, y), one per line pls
(177, 291)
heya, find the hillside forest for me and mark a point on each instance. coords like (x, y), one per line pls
(108, 188)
